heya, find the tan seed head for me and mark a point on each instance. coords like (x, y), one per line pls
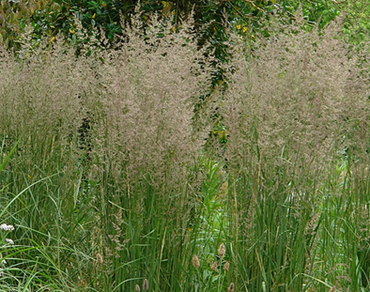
(231, 288)
(214, 266)
(145, 285)
(221, 251)
(195, 262)
(99, 258)
(137, 288)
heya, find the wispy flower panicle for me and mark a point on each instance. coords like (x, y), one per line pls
(6, 227)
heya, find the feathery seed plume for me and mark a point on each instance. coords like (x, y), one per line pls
(137, 288)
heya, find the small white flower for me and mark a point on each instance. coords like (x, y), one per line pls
(6, 227)
(3, 262)
(10, 241)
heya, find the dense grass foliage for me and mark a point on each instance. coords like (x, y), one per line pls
(111, 181)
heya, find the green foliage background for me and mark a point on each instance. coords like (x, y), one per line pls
(46, 18)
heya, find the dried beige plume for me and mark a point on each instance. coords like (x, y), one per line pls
(221, 251)
(195, 262)
(99, 258)
(231, 288)
(214, 266)
(137, 288)
(145, 285)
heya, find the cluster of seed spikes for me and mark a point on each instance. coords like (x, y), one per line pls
(145, 286)
(221, 253)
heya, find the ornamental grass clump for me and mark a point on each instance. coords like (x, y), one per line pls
(296, 113)
(151, 85)
(112, 137)
(114, 179)
(144, 143)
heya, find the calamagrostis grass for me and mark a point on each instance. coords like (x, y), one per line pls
(292, 104)
(121, 118)
(301, 96)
